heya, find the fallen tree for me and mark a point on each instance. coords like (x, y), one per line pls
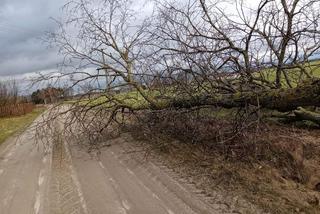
(283, 100)
(183, 54)
(290, 101)
(304, 114)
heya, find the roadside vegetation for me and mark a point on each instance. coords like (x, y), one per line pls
(16, 111)
(12, 125)
(11, 104)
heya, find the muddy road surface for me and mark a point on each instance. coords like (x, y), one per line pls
(65, 179)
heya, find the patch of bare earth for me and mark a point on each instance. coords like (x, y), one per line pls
(278, 173)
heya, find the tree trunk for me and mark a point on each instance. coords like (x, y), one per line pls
(283, 100)
(304, 114)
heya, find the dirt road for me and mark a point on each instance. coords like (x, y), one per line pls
(66, 179)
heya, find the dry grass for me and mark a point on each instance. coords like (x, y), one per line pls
(12, 125)
(275, 167)
(18, 109)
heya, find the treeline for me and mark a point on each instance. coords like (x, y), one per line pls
(17, 109)
(11, 104)
(8, 92)
(50, 95)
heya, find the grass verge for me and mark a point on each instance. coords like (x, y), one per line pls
(12, 125)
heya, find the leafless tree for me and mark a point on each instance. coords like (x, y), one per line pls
(103, 44)
(187, 54)
(8, 92)
(212, 41)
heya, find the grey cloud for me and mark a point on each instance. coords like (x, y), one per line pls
(22, 24)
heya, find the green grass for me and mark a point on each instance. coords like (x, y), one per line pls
(294, 75)
(10, 126)
(132, 98)
(135, 99)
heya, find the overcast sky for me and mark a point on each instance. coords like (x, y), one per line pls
(22, 25)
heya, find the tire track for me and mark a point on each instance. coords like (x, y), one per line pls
(65, 194)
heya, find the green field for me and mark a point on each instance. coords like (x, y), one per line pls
(132, 98)
(135, 100)
(294, 75)
(12, 125)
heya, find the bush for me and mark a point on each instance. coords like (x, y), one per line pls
(10, 110)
